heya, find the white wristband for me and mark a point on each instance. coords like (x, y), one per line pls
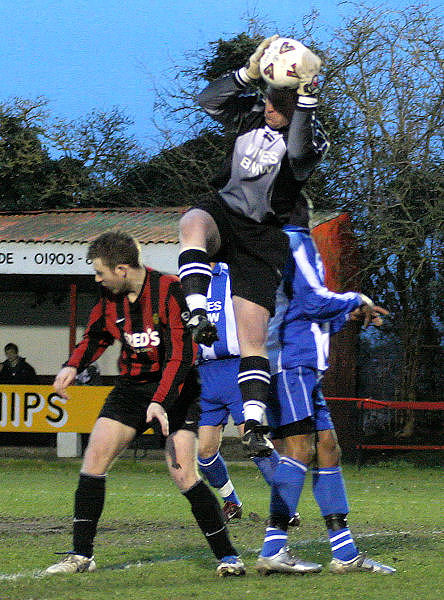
(366, 300)
(307, 102)
(242, 77)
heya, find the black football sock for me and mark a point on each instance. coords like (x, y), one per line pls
(209, 517)
(254, 381)
(195, 276)
(88, 506)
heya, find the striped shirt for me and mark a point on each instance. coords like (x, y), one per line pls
(220, 312)
(155, 343)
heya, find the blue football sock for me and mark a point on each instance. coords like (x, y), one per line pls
(342, 544)
(274, 540)
(267, 465)
(329, 492)
(288, 481)
(215, 471)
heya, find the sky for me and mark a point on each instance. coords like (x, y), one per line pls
(96, 54)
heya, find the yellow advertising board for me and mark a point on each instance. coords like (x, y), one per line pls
(38, 409)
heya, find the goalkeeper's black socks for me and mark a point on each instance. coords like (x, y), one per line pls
(254, 381)
(209, 517)
(88, 506)
(195, 276)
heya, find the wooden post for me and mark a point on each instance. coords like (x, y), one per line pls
(72, 316)
(70, 444)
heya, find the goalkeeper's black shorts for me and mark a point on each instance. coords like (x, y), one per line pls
(255, 252)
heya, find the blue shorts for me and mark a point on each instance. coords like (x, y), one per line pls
(295, 395)
(220, 394)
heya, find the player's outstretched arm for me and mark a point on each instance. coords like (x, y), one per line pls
(63, 379)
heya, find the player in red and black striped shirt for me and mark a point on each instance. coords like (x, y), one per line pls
(144, 310)
(155, 346)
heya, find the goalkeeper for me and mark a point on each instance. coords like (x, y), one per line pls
(278, 144)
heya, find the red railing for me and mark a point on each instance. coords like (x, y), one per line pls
(369, 404)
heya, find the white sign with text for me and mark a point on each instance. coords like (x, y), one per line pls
(70, 259)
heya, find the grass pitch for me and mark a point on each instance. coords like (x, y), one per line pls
(148, 546)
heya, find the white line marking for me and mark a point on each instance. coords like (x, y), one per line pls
(150, 562)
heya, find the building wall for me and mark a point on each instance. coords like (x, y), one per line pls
(39, 324)
(34, 313)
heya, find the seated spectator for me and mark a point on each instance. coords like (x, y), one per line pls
(15, 369)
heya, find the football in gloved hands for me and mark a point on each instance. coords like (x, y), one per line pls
(287, 63)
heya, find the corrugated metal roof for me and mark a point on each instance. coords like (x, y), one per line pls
(82, 225)
(148, 225)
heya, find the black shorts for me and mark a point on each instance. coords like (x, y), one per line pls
(255, 252)
(128, 401)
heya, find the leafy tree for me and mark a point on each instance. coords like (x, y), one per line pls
(93, 153)
(100, 145)
(71, 184)
(226, 55)
(384, 80)
(175, 176)
(24, 162)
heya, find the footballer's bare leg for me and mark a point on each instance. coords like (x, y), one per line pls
(210, 437)
(107, 440)
(180, 452)
(328, 451)
(180, 455)
(199, 240)
(197, 228)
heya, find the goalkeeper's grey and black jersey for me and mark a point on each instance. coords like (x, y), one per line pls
(266, 169)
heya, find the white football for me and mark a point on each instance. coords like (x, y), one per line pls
(287, 62)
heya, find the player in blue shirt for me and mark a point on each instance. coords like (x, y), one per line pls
(307, 314)
(221, 395)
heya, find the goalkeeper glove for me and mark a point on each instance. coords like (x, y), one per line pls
(307, 69)
(308, 93)
(251, 71)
